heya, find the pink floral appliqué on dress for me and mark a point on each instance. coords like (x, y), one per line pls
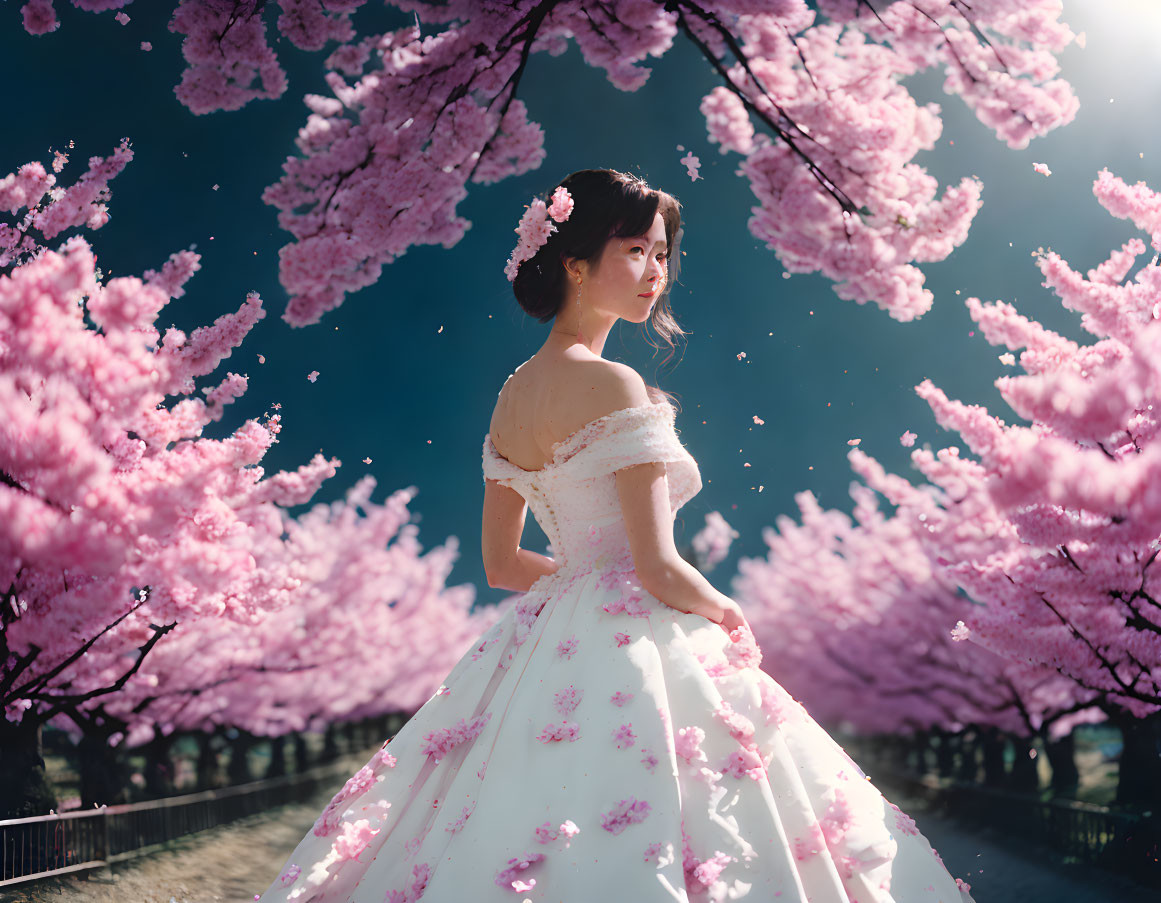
(567, 648)
(508, 877)
(631, 811)
(439, 743)
(555, 733)
(624, 737)
(566, 700)
(464, 815)
(688, 744)
(420, 875)
(353, 839)
(288, 877)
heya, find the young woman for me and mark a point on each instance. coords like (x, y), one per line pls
(611, 737)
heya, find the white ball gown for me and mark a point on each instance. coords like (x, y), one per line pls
(597, 746)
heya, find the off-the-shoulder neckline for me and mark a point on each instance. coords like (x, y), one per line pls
(559, 448)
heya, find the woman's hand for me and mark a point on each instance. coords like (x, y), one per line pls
(732, 617)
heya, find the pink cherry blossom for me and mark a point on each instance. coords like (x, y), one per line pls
(691, 164)
(562, 204)
(533, 230)
(812, 102)
(711, 544)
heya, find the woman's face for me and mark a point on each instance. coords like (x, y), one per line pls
(630, 274)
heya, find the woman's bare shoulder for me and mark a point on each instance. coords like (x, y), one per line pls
(545, 401)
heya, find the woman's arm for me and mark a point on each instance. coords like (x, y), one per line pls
(524, 571)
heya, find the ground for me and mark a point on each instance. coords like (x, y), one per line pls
(233, 863)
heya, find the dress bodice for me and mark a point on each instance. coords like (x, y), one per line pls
(574, 496)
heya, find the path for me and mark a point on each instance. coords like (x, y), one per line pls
(233, 863)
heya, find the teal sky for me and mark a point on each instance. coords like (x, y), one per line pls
(410, 367)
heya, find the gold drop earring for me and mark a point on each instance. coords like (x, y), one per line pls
(579, 337)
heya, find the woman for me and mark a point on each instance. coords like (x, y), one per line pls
(611, 737)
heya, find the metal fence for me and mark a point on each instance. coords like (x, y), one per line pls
(1125, 842)
(44, 845)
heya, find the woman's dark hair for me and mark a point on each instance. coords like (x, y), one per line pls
(608, 204)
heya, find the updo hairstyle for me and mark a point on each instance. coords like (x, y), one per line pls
(608, 204)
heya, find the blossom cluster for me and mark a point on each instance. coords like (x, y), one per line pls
(815, 106)
(534, 228)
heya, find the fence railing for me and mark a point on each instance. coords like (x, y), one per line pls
(1126, 842)
(44, 845)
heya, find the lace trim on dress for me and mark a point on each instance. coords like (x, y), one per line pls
(578, 438)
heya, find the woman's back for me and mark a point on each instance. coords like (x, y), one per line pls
(555, 393)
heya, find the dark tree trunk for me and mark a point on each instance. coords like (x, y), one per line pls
(968, 770)
(159, 771)
(207, 765)
(24, 787)
(945, 753)
(992, 742)
(330, 750)
(1139, 778)
(920, 747)
(301, 753)
(277, 767)
(1024, 777)
(899, 748)
(104, 772)
(238, 770)
(1062, 757)
(350, 731)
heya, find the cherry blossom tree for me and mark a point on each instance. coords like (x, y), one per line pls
(854, 619)
(712, 542)
(120, 523)
(373, 631)
(810, 100)
(1053, 529)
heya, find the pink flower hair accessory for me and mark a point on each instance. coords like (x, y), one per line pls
(535, 228)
